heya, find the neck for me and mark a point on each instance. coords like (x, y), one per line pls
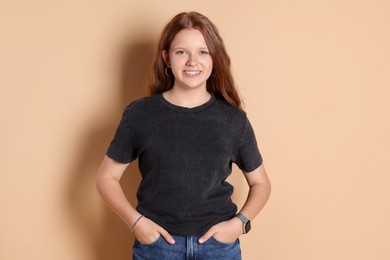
(188, 98)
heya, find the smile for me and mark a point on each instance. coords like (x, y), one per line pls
(192, 72)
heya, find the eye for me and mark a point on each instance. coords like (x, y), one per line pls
(180, 52)
(204, 52)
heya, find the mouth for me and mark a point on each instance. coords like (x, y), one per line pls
(192, 72)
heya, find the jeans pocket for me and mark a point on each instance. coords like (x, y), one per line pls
(148, 244)
(223, 243)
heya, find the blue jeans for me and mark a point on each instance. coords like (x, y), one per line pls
(187, 248)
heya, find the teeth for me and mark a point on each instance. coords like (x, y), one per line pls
(192, 72)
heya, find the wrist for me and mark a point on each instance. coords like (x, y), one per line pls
(245, 222)
(136, 222)
(131, 217)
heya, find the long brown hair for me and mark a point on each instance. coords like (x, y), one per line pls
(221, 82)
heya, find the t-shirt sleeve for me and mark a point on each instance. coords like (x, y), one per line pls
(249, 157)
(122, 147)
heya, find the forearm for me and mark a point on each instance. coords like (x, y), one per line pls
(112, 193)
(257, 198)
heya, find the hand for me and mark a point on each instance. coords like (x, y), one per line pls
(225, 232)
(146, 231)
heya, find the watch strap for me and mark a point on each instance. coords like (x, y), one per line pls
(242, 218)
(246, 223)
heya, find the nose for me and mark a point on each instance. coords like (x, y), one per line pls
(192, 60)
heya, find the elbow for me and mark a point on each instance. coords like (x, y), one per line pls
(267, 185)
(269, 188)
(99, 182)
(104, 179)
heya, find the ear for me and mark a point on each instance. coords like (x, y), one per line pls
(165, 56)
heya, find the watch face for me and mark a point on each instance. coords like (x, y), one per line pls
(247, 226)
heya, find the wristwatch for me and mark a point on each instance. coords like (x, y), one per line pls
(246, 223)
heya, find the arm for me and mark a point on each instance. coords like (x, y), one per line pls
(107, 182)
(259, 192)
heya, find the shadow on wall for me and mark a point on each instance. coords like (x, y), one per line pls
(108, 238)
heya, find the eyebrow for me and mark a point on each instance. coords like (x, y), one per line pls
(201, 48)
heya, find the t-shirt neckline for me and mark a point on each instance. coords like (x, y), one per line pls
(177, 108)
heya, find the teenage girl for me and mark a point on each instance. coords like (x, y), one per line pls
(186, 136)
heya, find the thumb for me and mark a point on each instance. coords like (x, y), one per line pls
(206, 236)
(167, 236)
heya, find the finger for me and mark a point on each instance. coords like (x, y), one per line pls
(167, 236)
(206, 236)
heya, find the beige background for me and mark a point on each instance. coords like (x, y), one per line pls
(314, 76)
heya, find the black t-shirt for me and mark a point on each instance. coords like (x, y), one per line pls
(184, 156)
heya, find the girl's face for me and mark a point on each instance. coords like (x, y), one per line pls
(189, 60)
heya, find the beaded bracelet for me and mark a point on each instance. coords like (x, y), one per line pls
(135, 223)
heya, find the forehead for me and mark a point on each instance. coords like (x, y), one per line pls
(189, 38)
